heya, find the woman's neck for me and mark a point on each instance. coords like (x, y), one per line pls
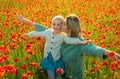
(68, 34)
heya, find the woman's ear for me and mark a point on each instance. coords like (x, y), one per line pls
(69, 30)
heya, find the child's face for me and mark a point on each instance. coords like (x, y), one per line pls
(56, 24)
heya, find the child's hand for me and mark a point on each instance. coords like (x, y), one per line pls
(89, 41)
(85, 42)
(25, 20)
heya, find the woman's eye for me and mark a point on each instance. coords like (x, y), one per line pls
(53, 24)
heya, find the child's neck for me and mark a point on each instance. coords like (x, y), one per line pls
(56, 32)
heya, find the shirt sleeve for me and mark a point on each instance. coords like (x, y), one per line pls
(39, 27)
(70, 40)
(93, 50)
(40, 33)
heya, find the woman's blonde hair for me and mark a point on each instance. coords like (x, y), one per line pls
(74, 24)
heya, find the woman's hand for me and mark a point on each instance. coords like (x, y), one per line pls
(112, 54)
(23, 35)
(117, 57)
(21, 18)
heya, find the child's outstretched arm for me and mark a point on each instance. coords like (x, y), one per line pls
(72, 40)
(34, 33)
(38, 27)
(24, 20)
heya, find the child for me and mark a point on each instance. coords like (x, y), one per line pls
(54, 38)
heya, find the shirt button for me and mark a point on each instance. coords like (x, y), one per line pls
(51, 42)
(51, 48)
(53, 37)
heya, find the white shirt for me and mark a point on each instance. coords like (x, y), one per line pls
(53, 43)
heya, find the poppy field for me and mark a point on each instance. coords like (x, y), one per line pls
(20, 56)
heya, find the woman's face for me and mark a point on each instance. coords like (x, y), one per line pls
(64, 27)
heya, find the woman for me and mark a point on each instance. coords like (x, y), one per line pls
(73, 55)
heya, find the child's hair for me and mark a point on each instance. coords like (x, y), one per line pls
(59, 17)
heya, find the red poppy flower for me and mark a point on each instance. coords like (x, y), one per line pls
(112, 54)
(16, 59)
(6, 24)
(24, 76)
(92, 69)
(2, 71)
(10, 69)
(118, 67)
(29, 46)
(13, 35)
(29, 73)
(38, 38)
(27, 58)
(24, 66)
(59, 71)
(34, 64)
(105, 63)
